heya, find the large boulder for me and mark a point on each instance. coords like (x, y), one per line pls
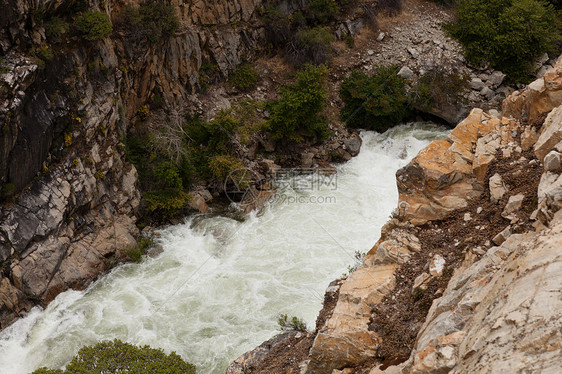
(533, 103)
(345, 339)
(449, 173)
(550, 135)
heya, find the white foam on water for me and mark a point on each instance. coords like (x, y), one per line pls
(218, 287)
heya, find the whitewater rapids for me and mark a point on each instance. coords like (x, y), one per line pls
(218, 287)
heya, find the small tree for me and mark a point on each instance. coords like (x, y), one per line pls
(507, 34)
(296, 115)
(93, 25)
(375, 102)
(118, 357)
(245, 77)
(152, 20)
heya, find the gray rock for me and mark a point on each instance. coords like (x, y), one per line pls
(271, 168)
(537, 85)
(502, 236)
(484, 77)
(543, 70)
(541, 61)
(306, 160)
(495, 113)
(244, 363)
(414, 52)
(381, 37)
(497, 188)
(513, 206)
(476, 84)
(552, 162)
(487, 93)
(496, 78)
(353, 144)
(406, 72)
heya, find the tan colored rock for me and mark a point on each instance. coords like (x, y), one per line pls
(534, 102)
(345, 339)
(485, 154)
(249, 360)
(513, 206)
(497, 188)
(439, 355)
(442, 178)
(502, 236)
(197, 203)
(553, 162)
(436, 265)
(389, 370)
(549, 194)
(395, 247)
(500, 314)
(550, 134)
(529, 137)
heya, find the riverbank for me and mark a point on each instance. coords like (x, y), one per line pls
(446, 279)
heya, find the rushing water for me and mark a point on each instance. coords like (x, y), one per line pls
(218, 287)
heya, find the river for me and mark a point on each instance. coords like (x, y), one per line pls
(220, 283)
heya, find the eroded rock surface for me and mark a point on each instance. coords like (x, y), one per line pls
(501, 312)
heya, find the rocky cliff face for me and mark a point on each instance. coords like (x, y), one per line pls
(62, 123)
(466, 276)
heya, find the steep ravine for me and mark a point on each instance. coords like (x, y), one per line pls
(219, 285)
(466, 275)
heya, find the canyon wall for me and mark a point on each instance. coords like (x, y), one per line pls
(63, 121)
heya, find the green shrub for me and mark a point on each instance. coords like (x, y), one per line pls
(214, 137)
(323, 11)
(245, 77)
(7, 192)
(296, 115)
(93, 25)
(302, 37)
(507, 34)
(309, 46)
(221, 166)
(135, 253)
(46, 54)
(161, 180)
(437, 88)
(166, 203)
(167, 176)
(375, 102)
(118, 357)
(291, 323)
(152, 21)
(55, 27)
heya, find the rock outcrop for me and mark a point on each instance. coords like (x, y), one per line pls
(345, 338)
(500, 313)
(72, 198)
(493, 296)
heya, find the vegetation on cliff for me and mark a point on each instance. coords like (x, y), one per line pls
(508, 34)
(383, 100)
(152, 21)
(375, 102)
(118, 357)
(91, 25)
(296, 116)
